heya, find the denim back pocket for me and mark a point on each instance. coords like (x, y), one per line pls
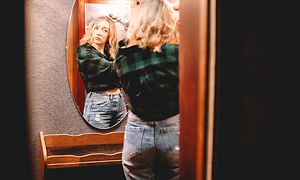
(132, 141)
(170, 136)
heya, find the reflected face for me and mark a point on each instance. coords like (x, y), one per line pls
(100, 33)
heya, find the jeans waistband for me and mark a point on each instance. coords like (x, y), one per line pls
(134, 118)
(106, 94)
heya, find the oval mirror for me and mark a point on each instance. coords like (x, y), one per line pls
(83, 12)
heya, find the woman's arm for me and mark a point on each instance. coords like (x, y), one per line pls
(91, 64)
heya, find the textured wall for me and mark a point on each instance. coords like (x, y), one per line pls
(49, 103)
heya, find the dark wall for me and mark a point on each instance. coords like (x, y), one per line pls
(14, 138)
(256, 91)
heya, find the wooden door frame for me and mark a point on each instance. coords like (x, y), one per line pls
(197, 87)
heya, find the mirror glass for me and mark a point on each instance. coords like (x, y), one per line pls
(83, 12)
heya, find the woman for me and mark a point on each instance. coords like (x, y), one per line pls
(104, 104)
(148, 68)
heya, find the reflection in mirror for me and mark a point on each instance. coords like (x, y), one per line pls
(94, 29)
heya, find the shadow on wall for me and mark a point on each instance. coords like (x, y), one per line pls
(14, 136)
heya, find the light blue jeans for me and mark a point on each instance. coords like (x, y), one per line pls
(151, 149)
(103, 110)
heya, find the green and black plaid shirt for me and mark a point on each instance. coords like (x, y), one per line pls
(96, 70)
(150, 80)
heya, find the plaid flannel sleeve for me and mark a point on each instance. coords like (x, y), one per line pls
(91, 64)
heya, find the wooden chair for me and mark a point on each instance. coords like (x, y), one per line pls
(88, 149)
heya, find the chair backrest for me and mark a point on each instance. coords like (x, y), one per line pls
(57, 150)
(68, 140)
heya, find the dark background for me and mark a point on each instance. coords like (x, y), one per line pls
(15, 159)
(257, 91)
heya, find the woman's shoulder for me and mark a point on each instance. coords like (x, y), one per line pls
(170, 46)
(170, 49)
(128, 51)
(85, 50)
(134, 48)
(125, 45)
(84, 47)
(136, 53)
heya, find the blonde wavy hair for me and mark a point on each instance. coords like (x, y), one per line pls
(152, 24)
(111, 44)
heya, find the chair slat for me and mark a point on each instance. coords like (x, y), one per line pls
(63, 142)
(67, 140)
